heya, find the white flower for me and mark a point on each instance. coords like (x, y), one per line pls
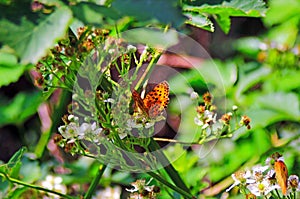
(194, 95)
(109, 193)
(131, 48)
(262, 188)
(294, 183)
(240, 177)
(54, 183)
(131, 123)
(110, 100)
(69, 131)
(235, 108)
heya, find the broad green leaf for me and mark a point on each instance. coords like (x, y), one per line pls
(20, 108)
(249, 80)
(200, 21)
(281, 11)
(10, 70)
(221, 75)
(234, 8)
(286, 33)
(261, 118)
(249, 46)
(31, 41)
(286, 104)
(163, 11)
(90, 13)
(224, 22)
(151, 37)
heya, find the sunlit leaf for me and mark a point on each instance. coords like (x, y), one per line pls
(10, 70)
(151, 37)
(90, 13)
(281, 11)
(234, 8)
(31, 41)
(200, 21)
(20, 108)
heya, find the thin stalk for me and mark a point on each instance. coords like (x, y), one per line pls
(149, 68)
(16, 181)
(175, 188)
(173, 174)
(95, 182)
(278, 194)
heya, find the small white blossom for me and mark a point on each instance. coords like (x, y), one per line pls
(240, 177)
(194, 95)
(54, 183)
(131, 48)
(109, 193)
(235, 108)
(110, 100)
(262, 188)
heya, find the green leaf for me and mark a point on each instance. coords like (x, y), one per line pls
(224, 22)
(249, 46)
(14, 164)
(151, 37)
(31, 41)
(20, 108)
(249, 80)
(281, 11)
(276, 102)
(286, 33)
(234, 8)
(10, 70)
(16, 157)
(163, 11)
(221, 75)
(90, 13)
(200, 21)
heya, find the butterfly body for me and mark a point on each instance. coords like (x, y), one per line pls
(154, 102)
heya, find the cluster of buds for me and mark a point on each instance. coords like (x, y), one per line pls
(267, 180)
(207, 117)
(70, 49)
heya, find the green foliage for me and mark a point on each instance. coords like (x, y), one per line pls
(20, 108)
(262, 79)
(222, 13)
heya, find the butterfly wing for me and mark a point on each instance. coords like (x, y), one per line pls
(138, 103)
(281, 175)
(157, 100)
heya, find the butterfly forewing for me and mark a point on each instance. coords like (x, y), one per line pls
(281, 173)
(157, 100)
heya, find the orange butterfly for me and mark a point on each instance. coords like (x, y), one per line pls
(154, 102)
(281, 173)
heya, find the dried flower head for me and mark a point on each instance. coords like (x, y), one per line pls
(207, 98)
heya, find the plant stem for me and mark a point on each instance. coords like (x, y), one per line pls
(153, 146)
(277, 193)
(16, 181)
(175, 188)
(95, 182)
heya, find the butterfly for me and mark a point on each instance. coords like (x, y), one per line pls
(154, 102)
(281, 173)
